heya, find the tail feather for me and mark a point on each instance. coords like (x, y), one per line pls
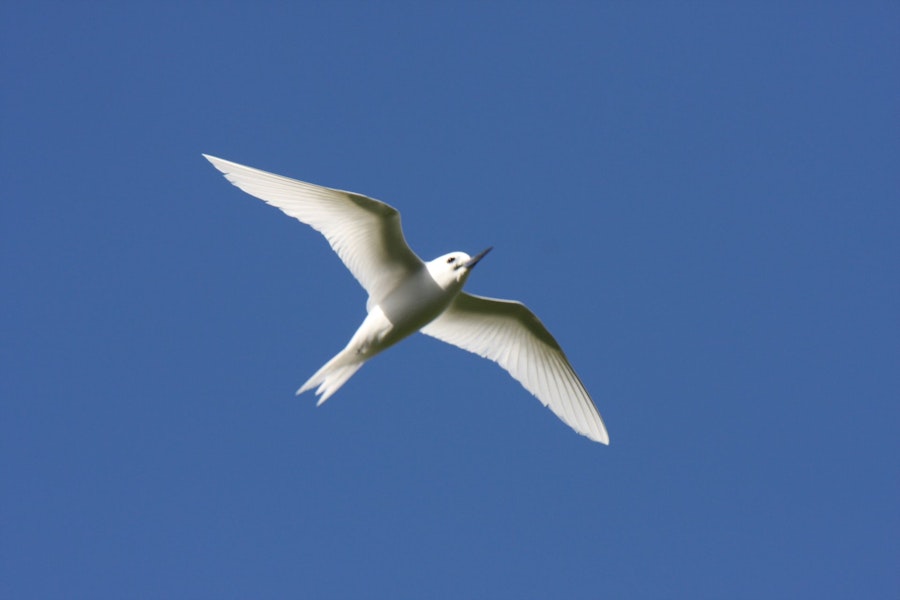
(331, 377)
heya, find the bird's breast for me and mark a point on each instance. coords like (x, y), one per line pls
(414, 303)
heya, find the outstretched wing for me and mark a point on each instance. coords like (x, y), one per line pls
(509, 334)
(365, 233)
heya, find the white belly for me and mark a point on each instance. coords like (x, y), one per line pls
(417, 302)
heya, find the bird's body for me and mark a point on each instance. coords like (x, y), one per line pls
(407, 295)
(415, 302)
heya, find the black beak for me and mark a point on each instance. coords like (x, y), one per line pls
(474, 260)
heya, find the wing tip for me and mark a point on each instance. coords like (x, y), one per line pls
(599, 433)
(596, 432)
(217, 162)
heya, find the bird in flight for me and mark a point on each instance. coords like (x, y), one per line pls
(407, 295)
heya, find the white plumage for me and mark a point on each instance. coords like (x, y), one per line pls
(408, 295)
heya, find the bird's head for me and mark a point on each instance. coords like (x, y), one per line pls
(454, 268)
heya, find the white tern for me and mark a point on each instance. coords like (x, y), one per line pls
(408, 295)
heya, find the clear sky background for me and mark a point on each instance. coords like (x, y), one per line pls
(700, 200)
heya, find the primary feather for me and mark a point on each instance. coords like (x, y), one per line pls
(365, 233)
(508, 333)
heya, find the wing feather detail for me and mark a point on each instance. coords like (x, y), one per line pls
(508, 333)
(365, 233)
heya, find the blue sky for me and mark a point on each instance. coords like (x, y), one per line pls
(700, 200)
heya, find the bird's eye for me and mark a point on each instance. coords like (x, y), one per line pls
(451, 259)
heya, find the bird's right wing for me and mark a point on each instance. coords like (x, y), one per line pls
(365, 233)
(509, 334)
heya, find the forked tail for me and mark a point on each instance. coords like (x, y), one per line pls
(331, 376)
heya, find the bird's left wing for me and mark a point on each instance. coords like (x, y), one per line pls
(365, 233)
(509, 334)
